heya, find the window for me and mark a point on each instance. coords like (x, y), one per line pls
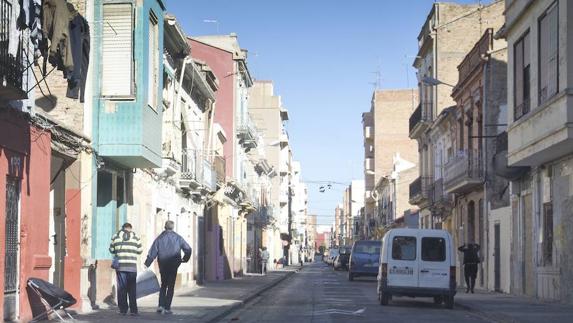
(404, 248)
(433, 249)
(548, 53)
(372, 248)
(521, 78)
(117, 50)
(153, 62)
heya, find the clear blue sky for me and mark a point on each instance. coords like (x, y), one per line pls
(321, 55)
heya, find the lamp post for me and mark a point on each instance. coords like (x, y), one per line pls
(289, 227)
(434, 82)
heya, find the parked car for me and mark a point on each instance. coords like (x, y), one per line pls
(417, 263)
(332, 255)
(364, 258)
(341, 261)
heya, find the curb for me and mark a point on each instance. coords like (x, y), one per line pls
(492, 317)
(250, 297)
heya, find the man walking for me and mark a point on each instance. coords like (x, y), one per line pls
(167, 249)
(125, 246)
(471, 261)
(264, 260)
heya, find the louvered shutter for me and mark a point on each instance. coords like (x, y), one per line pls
(117, 50)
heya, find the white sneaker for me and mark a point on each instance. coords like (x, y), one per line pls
(160, 309)
(167, 312)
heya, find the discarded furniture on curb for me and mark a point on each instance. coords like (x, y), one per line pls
(52, 297)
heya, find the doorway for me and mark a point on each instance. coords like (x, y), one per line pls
(496, 258)
(471, 222)
(11, 248)
(57, 219)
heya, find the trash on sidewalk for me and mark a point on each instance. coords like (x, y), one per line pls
(52, 297)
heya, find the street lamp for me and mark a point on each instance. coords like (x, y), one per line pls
(434, 82)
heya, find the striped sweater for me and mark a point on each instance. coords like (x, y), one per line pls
(126, 246)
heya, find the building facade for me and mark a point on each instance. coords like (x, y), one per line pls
(447, 35)
(538, 38)
(390, 159)
(270, 117)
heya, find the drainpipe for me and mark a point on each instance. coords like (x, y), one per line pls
(485, 165)
(210, 134)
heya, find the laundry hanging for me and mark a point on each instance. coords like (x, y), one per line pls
(69, 44)
(57, 15)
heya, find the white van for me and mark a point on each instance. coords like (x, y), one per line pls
(417, 263)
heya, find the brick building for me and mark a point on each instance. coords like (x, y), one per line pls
(386, 142)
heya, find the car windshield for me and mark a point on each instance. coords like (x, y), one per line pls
(367, 247)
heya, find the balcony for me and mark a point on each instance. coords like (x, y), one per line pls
(13, 83)
(247, 134)
(463, 173)
(169, 166)
(441, 200)
(541, 133)
(419, 191)
(190, 176)
(219, 166)
(419, 122)
(127, 71)
(368, 133)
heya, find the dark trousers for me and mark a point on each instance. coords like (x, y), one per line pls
(168, 277)
(126, 287)
(470, 273)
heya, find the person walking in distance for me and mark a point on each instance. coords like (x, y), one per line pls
(167, 249)
(264, 260)
(125, 246)
(471, 261)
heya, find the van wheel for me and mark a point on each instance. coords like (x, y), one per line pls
(350, 276)
(450, 302)
(383, 298)
(438, 300)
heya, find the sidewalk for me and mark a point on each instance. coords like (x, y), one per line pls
(499, 307)
(206, 303)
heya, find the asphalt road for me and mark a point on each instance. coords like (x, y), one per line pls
(318, 294)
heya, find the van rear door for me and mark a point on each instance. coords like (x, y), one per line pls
(434, 262)
(402, 262)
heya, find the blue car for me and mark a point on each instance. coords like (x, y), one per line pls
(364, 258)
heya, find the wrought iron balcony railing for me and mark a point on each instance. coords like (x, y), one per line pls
(13, 79)
(465, 170)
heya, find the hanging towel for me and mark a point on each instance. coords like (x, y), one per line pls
(14, 37)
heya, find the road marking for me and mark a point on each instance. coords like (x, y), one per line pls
(342, 312)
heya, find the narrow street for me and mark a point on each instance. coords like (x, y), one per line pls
(319, 294)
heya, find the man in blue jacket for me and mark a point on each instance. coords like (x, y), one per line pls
(167, 249)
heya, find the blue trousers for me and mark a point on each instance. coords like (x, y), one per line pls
(126, 288)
